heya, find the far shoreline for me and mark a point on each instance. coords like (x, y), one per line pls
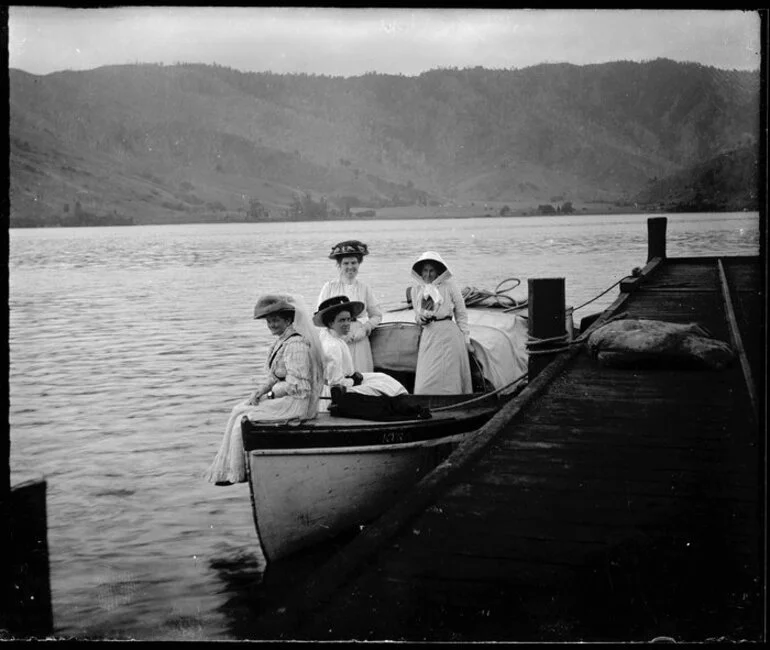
(395, 214)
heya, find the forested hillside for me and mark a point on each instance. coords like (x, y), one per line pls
(152, 143)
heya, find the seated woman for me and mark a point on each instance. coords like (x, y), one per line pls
(335, 315)
(443, 366)
(294, 370)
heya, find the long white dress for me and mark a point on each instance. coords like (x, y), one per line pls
(360, 349)
(443, 366)
(289, 365)
(339, 365)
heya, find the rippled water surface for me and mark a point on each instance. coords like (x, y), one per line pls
(128, 347)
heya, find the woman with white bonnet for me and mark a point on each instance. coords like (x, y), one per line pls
(443, 366)
(335, 315)
(294, 377)
(349, 255)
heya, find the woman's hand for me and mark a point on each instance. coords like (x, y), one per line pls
(357, 332)
(258, 396)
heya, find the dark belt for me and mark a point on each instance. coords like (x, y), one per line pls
(433, 319)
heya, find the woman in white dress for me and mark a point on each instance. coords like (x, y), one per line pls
(349, 256)
(443, 366)
(335, 315)
(294, 369)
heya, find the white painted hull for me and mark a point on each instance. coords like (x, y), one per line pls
(303, 496)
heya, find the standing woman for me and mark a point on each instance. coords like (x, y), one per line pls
(349, 255)
(442, 360)
(294, 369)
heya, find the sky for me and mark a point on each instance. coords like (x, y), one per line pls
(348, 42)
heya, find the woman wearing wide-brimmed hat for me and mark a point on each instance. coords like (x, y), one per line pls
(335, 315)
(294, 369)
(443, 366)
(349, 255)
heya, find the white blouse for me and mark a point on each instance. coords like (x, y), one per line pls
(356, 290)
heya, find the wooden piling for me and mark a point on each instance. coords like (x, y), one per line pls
(656, 237)
(25, 585)
(547, 317)
(28, 611)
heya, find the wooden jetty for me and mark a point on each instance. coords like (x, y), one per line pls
(599, 505)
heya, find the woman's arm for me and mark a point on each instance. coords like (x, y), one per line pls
(296, 358)
(460, 312)
(416, 302)
(334, 372)
(373, 310)
(325, 293)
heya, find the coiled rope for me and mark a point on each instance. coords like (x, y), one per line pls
(497, 298)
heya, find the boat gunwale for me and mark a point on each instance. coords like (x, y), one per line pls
(360, 449)
(367, 434)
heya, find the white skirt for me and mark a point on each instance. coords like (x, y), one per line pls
(374, 383)
(229, 465)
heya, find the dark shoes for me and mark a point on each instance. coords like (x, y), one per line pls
(337, 392)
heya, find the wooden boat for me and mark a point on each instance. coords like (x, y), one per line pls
(315, 480)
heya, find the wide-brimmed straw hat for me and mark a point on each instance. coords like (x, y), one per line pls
(271, 303)
(429, 256)
(349, 247)
(334, 305)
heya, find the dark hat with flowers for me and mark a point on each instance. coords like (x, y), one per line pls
(332, 306)
(349, 247)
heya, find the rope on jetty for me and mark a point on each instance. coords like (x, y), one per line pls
(532, 341)
(601, 294)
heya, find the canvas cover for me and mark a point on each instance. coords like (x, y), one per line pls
(498, 338)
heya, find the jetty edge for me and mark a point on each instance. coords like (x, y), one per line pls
(599, 504)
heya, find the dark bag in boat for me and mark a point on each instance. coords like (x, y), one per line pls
(380, 408)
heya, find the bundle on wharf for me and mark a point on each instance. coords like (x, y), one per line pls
(599, 504)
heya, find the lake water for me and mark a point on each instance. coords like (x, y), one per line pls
(128, 347)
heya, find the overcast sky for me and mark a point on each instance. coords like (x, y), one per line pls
(353, 41)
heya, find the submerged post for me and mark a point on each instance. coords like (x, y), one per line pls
(547, 318)
(656, 237)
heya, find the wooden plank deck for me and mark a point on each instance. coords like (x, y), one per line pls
(614, 505)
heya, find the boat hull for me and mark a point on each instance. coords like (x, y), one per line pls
(305, 496)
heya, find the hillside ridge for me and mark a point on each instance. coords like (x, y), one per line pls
(150, 143)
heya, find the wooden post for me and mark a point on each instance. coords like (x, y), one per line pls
(656, 237)
(547, 317)
(28, 611)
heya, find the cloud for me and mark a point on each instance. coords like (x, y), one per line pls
(352, 41)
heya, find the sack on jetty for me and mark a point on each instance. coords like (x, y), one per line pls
(642, 343)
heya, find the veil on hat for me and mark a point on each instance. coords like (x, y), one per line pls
(229, 465)
(303, 324)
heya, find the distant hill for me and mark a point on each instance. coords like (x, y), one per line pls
(153, 143)
(727, 182)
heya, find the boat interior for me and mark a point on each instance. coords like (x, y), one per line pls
(394, 352)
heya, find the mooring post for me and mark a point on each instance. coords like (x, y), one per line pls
(547, 318)
(25, 583)
(656, 237)
(30, 613)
